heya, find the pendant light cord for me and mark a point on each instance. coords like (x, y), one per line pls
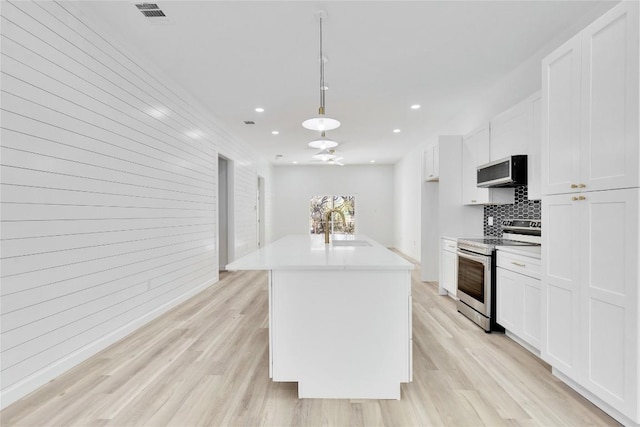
(321, 72)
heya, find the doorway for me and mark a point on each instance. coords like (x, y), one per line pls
(225, 212)
(260, 212)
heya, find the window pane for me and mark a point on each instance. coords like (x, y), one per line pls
(319, 207)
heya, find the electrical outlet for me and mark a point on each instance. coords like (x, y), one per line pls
(490, 220)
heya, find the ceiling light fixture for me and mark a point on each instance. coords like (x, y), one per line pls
(321, 123)
(259, 110)
(323, 142)
(275, 132)
(325, 155)
(396, 131)
(415, 107)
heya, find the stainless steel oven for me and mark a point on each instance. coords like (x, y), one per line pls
(474, 286)
(477, 269)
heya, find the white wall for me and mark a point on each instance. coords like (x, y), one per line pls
(108, 213)
(372, 186)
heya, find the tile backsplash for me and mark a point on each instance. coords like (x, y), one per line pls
(521, 208)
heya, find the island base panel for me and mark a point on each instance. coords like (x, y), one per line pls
(341, 333)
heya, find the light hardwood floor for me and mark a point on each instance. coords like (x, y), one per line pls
(205, 364)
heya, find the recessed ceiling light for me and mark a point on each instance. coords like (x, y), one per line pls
(396, 131)
(415, 106)
(275, 132)
(295, 162)
(372, 161)
(259, 110)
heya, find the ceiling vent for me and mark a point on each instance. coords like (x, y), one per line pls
(153, 13)
(249, 122)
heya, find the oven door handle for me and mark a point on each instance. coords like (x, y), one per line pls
(479, 258)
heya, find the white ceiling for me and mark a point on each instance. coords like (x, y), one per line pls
(383, 56)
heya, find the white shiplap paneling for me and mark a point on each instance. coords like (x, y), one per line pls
(109, 210)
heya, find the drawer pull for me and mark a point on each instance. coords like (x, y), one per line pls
(518, 264)
(582, 198)
(581, 186)
(574, 186)
(574, 198)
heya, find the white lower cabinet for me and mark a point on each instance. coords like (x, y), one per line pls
(518, 297)
(590, 294)
(449, 267)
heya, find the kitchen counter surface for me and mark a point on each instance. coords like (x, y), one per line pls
(532, 251)
(309, 252)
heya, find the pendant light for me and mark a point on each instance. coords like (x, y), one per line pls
(323, 142)
(325, 155)
(321, 123)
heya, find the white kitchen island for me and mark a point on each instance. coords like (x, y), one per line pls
(339, 315)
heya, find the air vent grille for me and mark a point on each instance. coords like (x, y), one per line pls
(152, 13)
(147, 6)
(249, 122)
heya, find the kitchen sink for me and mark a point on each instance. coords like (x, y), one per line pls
(350, 243)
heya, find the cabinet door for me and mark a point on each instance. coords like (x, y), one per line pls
(560, 160)
(609, 277)
(609, 135)
(561, 321)
(531, 311)
(475, 151)
(450, 272)
(509, 300)
(534, 190)
(510, 131)
(431, 172)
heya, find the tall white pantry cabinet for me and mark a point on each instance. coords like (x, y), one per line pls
(590, 193)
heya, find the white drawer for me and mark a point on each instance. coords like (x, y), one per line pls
(519, 264)
(449, 245)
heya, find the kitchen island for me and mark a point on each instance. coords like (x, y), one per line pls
(339, 315)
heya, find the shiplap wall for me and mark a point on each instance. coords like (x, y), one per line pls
(108, 177)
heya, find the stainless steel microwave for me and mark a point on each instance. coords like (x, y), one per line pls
(508, 172)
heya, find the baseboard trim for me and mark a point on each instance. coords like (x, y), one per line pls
(608, 409)
(33, 382)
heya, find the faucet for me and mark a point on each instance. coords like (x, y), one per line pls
(326, 228)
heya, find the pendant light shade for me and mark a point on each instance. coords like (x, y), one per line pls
(325, 155)
(323, 143)
(321, 123)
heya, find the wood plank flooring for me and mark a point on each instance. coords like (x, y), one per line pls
(205, 363)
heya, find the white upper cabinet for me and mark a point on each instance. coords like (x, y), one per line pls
(534, 182)
(475, 152)
(518, 131)
(510, 131)
(431, 166)
(590, 107)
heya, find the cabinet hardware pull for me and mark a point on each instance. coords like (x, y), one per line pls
(581, 186)
(473, 201)
(574, 198)
(518, 264)
(574, 186)
(582, 198)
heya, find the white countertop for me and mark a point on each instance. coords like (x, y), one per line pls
(532, 251)
(309, 252)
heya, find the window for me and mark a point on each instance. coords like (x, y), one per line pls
(320, 205)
